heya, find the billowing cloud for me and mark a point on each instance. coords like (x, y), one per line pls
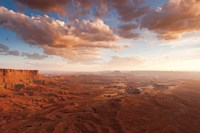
(94, 31)
(127, 9)
(76, 54)
(79, 7)
(58, 6)
(83, 38)
(173, 19)
(169, 21)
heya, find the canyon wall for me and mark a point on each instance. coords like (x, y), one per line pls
(11, 77)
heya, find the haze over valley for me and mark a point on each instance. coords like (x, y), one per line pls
(99, 66)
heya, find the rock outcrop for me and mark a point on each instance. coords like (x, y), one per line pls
(10, 78)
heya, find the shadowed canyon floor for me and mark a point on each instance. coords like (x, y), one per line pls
(101, 103)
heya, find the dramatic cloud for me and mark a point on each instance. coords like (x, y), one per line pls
(169, 21)
(129, 9)
(83, 38)
(101, 34)
(46, 5)
(127, 31)
(102, 8)
(173, 19)
(77, 7)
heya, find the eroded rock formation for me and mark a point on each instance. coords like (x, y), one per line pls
(10, 78)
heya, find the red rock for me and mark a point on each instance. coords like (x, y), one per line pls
(10, 77)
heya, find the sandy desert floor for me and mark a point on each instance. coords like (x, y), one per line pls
(89, 103)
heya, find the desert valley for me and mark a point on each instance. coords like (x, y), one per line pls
(99, 66)
(100, 102)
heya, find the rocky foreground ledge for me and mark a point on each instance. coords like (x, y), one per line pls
(10, 78)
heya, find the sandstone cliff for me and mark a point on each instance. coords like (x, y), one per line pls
(11, 77)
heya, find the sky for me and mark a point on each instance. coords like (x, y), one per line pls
(100, 35)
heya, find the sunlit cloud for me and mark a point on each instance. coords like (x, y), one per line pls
(173, 19)
(81, 39)
(129, 34)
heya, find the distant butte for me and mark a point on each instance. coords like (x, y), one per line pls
(11, 77)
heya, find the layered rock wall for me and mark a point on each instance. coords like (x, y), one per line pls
(11, 77)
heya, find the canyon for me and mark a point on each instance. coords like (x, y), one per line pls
(100, 102)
